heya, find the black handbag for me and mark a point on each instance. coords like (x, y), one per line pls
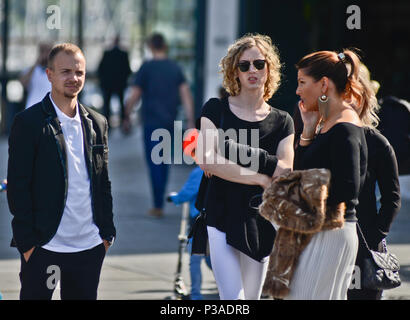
(380, 269)
(199, 232)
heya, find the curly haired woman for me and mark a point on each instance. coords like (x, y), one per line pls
(239, 242)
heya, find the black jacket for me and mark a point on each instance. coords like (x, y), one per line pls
(114, 69)
(381, 169)
(37, 174)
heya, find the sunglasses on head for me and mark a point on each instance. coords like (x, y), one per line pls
(245, 65)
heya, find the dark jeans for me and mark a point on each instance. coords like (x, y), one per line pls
(107, 93)
(79, 274)
(158, 172)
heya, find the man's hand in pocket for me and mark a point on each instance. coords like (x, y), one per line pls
(27, 254)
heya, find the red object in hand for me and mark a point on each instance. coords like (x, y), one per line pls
(190, 142)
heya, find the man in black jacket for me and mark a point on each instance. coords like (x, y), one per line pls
(58, 187)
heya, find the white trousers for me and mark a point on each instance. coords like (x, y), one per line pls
(237, 276)
(325, 267)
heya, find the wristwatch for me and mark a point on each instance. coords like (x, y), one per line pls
(110, 240)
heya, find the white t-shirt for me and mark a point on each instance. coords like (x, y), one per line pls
(77, 231)
(38, 86)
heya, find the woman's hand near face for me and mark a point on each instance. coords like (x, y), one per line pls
(310, 121)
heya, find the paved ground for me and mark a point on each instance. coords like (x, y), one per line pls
(142, 263)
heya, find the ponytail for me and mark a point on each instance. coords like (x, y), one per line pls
(345, 70)
(361, 91)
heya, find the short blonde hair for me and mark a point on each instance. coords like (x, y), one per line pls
(229, 63)
(67, 47)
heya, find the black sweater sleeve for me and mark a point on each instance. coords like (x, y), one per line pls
(267, 163)
(345, 168)
(299, 154)
(388, 180)
(22, 148)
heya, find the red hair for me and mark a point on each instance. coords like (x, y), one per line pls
(343, 70)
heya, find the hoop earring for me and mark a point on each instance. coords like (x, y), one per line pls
(323, 105)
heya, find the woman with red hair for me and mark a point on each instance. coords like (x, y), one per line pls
(332, 138)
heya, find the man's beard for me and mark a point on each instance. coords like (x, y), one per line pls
(70, 96)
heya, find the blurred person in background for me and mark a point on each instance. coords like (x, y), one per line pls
(161, 84)
(382, 174)
(35, 80)
(113, 72)
(395, 126)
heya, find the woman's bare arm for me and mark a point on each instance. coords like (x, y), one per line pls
(285, 155)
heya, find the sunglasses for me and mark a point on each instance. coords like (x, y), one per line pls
(245, 65)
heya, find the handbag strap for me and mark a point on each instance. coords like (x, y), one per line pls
(208, 187)
(364, 239)
(365, 242)
(253, 199)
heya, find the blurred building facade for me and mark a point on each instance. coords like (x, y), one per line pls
(300, 27)
(93, 25)
(199, 32)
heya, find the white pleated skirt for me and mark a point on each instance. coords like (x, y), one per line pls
(324, 270)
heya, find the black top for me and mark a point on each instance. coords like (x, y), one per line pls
(381, 168)
(114, 69)
(260, 160)
(160, 80)
(343, 151)
(227, 206)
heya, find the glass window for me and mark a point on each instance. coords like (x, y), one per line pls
(176, 20)
(35, 21)
(1, 32)
(103, 20)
